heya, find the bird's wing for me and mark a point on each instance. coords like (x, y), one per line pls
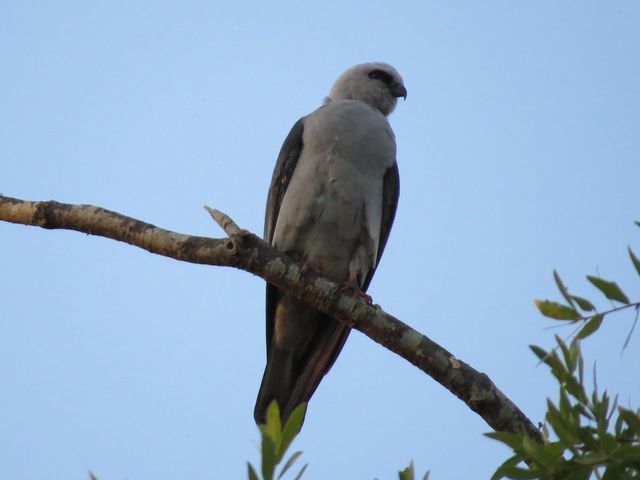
(390, 195)
(282, 173)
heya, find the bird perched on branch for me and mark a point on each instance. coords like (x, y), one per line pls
(331, 204)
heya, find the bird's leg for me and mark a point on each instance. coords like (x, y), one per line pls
(353, 285)
(305, 265)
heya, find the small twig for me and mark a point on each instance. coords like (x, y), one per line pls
(226, 223)
(584, 319)
(553, 350)
(633, 327)
(611, 310)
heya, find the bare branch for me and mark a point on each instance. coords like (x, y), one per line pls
(248, 252)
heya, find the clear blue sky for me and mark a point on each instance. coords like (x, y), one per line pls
(518, 148)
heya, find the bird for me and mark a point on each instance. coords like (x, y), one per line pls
(331, 204)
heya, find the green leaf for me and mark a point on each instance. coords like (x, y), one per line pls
(551, 359)
(619, 424)
(407, 473)
(575, 388)
(537, 452)
(614, 408)
(582, 474)
(611, 290)
(630, 453)
(588, 438)
(635, 260)
(591, 458)
(590, 326)
(541, 353)
(584, 304)
(289, 463)
(556, 310)
(570, 361)
(631, 418)
(511, 471)
(273, 427)
(575, 350)
(292, 428)
(251, 472)
(564, 405)
(268, 458)
(604, 405)
(510, 462)
(561, 425)
(563, 288)
(608, 443)
(299, 475)
(580, 367)
(512, 440)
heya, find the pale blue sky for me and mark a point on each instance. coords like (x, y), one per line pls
(518, 151)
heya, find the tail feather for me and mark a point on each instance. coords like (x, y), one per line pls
(319, 362)
(302, 345)
(292, 380)
(277, 383)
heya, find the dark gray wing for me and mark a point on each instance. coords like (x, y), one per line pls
(282, 173)
(390, 195)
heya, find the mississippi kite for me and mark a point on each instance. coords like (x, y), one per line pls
(331, 204)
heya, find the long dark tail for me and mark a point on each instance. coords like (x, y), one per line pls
(277, 383)
(309, 344)
(292, 381)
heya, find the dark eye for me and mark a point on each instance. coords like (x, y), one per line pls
(381, 75)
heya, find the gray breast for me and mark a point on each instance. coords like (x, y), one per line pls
(331, 212)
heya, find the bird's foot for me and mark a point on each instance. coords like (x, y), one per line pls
(305, 265)
(353, 286)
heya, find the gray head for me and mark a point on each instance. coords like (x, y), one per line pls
(377, 84)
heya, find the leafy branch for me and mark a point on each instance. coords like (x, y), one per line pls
(579, 309)
(275, 440)
(586, 444)
(594, 436)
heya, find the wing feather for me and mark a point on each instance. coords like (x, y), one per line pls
(390, 195)
(282, 173)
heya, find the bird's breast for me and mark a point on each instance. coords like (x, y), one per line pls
(351, 132)
(332, 207)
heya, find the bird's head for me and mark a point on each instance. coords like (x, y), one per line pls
(377, 84)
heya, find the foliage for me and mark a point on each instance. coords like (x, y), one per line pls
(596, 438)
(580, 309)
(410, 474)
(275, 440)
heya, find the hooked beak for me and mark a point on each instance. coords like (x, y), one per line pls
(399, 90)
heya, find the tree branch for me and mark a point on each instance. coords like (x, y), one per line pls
(244, 250)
